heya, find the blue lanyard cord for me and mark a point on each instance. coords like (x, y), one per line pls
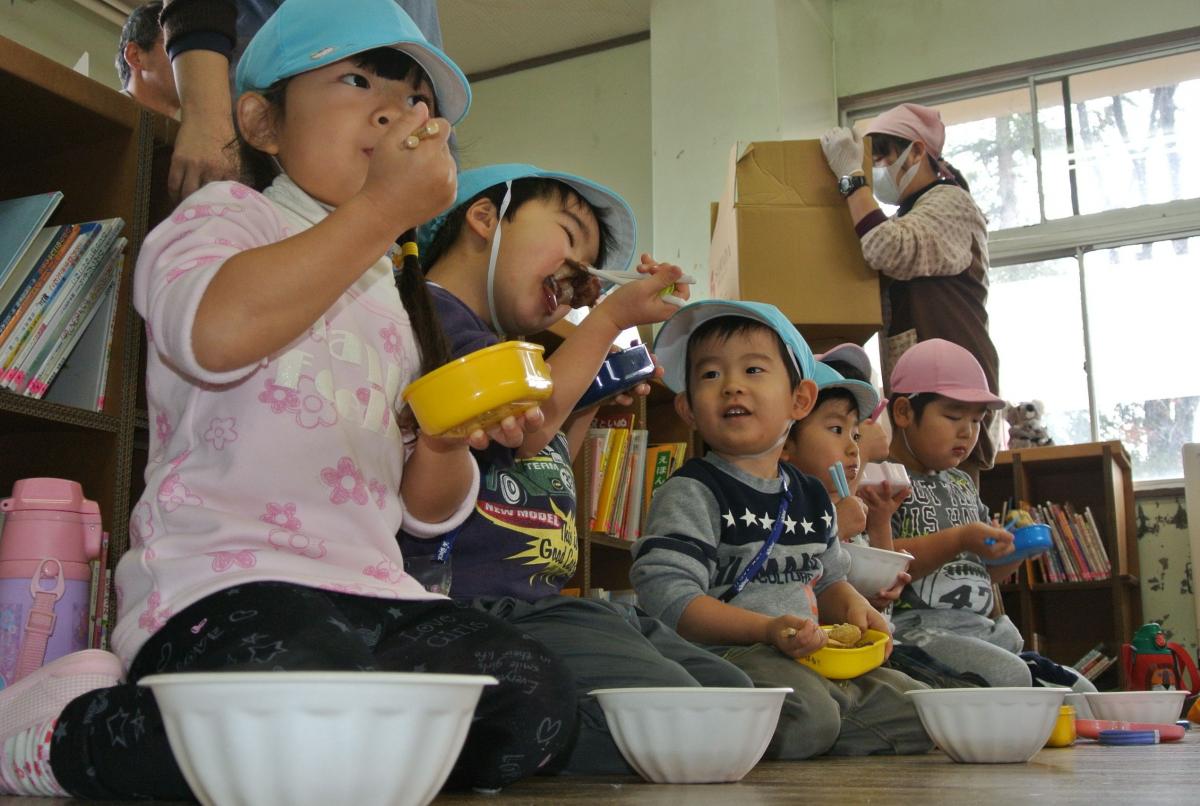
(447, 545)
(760, 559)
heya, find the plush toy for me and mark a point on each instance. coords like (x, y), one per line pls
(1025, 429)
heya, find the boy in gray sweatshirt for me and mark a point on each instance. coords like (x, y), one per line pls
(741, 552)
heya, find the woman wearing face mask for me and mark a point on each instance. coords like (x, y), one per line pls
(932, 254)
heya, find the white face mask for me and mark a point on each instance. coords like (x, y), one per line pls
(888, 185)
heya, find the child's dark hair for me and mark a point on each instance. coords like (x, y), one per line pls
(141, 27)
(884, 145)
(917, 402)
(824, 396)
(259, 171)
(523, 190)
(723, 328)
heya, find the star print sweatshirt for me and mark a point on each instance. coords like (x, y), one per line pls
(709, 520)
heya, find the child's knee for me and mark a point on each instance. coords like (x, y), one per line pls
(1007, 671)
(808, 726)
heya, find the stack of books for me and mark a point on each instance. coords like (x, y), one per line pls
(1078, 554)
(57, 302)
(1094, 663)
(624, 472)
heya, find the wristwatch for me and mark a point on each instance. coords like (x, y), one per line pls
(849, 184)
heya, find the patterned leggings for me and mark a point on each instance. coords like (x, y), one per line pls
(111, 743)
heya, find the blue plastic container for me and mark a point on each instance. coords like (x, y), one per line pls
(1028, 541)
(619, 372)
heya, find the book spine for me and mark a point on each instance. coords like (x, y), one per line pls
(101, 604)
(612, 473)
(110, 327)
(1095, 543)
(1091, 521)
(1081, 566)
(633, 523)
(600, 457)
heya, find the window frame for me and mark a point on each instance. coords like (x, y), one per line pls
(1075, 235)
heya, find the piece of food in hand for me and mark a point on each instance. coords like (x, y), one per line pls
(572, 285)
(844, 636)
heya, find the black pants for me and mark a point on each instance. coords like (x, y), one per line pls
(111, 743)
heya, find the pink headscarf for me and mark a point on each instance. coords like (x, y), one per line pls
(917, 123)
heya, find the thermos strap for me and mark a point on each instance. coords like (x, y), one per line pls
(39, 624)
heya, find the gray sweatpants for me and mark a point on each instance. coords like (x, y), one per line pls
(967, 642)
(866, 715)
(610, 645)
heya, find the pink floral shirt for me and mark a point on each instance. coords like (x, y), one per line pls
(288, 469)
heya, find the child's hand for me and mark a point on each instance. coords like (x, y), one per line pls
(874, 445)
(888, 595)
(975, 537)
(851, 517)
(641, 302)
(409, 186)
(509, 432)
(861, 614)
(794, 636)
(882, 501)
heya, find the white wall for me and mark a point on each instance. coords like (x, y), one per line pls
(722, 73)
(63, 30)
(886, 43)
(588, 116)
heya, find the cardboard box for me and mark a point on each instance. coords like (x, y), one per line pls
(783, 234)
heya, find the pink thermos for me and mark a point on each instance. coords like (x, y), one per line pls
(50, 533)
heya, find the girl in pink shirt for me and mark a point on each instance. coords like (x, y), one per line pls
(279, 470)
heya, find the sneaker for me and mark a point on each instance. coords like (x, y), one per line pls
(29, 710)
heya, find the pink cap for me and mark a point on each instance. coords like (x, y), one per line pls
(913, 122)
(943, 368)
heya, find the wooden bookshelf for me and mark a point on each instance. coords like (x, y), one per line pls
(102, 150)
(1072, 617)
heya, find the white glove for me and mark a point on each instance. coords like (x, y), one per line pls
(843, 151)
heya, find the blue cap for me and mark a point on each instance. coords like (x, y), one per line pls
(670, 346)
(306, 34)
(866, 397)
(619, 215)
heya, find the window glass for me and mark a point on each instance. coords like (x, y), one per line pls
(1036, 324)
(1142, 311)
(1132, 125)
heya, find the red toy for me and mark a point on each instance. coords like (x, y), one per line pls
(1151, 663)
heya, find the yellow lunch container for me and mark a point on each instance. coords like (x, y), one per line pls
(480, 389)
(843, 664)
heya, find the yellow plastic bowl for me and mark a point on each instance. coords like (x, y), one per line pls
(843, 664)
(480, 389)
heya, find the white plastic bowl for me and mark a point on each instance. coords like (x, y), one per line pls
(874, 474)
(316, 738)
(989, 725)
(1079, 701)
(872, 569)
(1161, 707)
(692, 735)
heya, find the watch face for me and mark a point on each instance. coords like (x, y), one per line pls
(848, 184)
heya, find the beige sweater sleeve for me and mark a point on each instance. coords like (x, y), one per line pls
(933, 239)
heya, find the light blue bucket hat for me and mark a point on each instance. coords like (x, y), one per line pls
(670, 346)
(618, 214)
(866, 397)
(303, 35)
